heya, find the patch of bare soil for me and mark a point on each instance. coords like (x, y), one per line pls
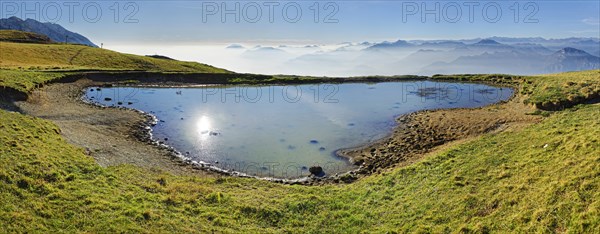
(420, 133)
(109, 135)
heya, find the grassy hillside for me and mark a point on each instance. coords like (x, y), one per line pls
(20, 36)
(73, 57)
(544, 178)
(25, 81)
(23, 66)
(564, 88)
(552, 91)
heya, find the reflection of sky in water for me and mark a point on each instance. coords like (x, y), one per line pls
(265, 129)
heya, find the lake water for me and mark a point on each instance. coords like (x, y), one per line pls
(280, 131)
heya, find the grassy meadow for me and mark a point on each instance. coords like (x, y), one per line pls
(544, 178)
(21, 36)
(40, 57)
(25, 81)
(24, 66)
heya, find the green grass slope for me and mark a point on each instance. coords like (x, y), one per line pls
(73, 57)
(552, 91)
(24, 66)
(21, 36)
(563, 88)
(25, 81)
(544, 178)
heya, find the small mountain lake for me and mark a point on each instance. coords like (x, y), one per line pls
(280, 131)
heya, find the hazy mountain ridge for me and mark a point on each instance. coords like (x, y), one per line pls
(518, 62)
(533, 55)
(54, 31)
(571, 59)
(427, 57)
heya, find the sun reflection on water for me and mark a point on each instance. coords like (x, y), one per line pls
(203, 126)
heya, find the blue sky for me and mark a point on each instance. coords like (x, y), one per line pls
(200, 21)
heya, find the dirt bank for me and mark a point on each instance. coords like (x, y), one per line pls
(422, 132)
(109, 135)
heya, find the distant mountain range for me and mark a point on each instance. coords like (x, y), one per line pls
(391, 45)
(488, 56)
(526, 56)
(54, 31)
(571, 59)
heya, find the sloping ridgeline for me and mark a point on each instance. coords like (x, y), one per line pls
(54, 31)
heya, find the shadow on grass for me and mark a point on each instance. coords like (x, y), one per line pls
(7, 100)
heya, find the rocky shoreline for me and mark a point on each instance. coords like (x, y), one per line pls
(422, 132)
(415, 135)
